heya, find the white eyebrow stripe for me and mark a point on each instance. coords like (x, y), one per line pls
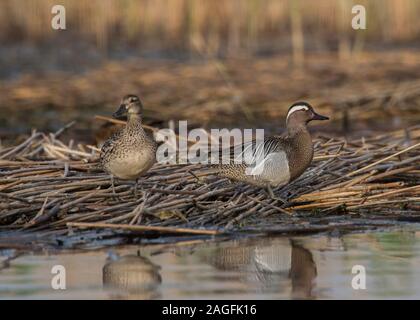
(296, 108)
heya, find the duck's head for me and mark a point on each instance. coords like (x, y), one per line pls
(130, 105)
(300, 113)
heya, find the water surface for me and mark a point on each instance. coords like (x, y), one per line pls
(312, 267)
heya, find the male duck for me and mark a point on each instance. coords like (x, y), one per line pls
(281, 159)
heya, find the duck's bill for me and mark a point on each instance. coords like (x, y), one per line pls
(120, 112)
(317, 116)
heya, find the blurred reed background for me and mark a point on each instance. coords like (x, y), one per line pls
(236, 61)
(214, 27)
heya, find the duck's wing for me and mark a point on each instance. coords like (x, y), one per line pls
(250, 152)
(110, 143)
(255, 151)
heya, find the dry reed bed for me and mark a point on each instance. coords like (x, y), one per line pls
(49, 186)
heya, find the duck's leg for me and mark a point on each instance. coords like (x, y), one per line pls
(272, 195)
(136, 187)
(113, 186)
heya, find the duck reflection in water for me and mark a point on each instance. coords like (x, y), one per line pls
(131, 277)
(278, 264)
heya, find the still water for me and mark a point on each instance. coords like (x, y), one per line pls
(313, 267)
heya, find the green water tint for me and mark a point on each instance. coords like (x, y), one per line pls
(314, 267)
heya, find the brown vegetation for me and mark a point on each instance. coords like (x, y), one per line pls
(376, 89)
(49, 187)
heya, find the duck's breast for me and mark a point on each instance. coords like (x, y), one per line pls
(131, 164)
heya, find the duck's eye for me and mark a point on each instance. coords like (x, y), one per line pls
(133, 99)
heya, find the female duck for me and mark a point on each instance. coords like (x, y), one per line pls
(130, 152)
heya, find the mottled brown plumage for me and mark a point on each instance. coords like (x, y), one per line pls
(130, 152)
